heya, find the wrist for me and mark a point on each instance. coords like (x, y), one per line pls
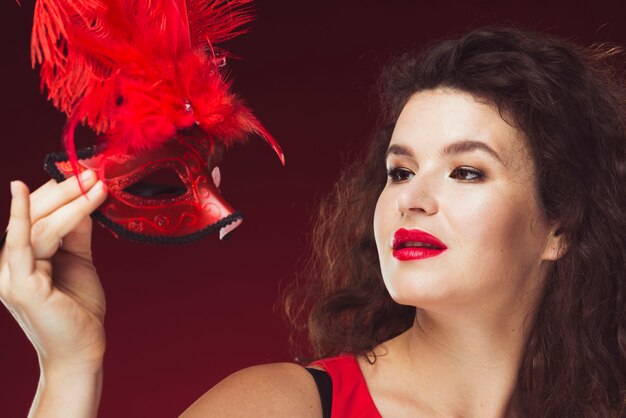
(78, 362)
(67, 392)
(74, 368)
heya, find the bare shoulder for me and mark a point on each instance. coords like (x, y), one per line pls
(268, 390)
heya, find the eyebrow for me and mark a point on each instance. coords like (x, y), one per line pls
(454, 148)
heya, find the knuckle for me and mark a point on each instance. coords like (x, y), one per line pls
(12, 246)
(41, 228)
(16, 214)
(8, 296)
(31, 287)
(9, 246)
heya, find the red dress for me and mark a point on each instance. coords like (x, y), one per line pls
(351, 397)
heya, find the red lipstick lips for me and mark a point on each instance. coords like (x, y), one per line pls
(415, 244)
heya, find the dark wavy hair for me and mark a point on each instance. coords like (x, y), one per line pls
(571, 107)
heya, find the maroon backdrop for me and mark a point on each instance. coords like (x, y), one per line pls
(181, 319)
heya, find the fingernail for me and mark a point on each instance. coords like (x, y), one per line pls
(86, 175)
(13, 188)
(98, 187)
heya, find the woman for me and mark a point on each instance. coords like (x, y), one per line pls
(483, 277)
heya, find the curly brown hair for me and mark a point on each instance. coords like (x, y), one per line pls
(572, 109)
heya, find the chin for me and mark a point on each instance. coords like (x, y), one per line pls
(422, 296)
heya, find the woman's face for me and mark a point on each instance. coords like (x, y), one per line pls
(461, 173)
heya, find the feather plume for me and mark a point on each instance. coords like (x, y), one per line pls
(139, 70)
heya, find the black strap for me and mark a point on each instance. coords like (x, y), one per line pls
(325, 388)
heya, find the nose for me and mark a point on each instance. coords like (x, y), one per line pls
(417, 197)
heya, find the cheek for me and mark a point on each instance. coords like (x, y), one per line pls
(497, 229)
(482, 220)
(380, 214)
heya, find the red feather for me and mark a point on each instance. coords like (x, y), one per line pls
(139, 70)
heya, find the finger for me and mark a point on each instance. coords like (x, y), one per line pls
(44, 266)
(43, 189)
(78, 241)
(48, 230)
(34, 196)
(52, 196)
(19, 253)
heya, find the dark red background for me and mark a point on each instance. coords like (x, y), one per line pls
(181, 319)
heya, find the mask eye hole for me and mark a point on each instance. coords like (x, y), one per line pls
(163, 183)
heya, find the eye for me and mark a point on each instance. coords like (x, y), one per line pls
(396, 175)
(466, 174)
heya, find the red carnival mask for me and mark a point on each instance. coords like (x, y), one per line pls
(168, 195)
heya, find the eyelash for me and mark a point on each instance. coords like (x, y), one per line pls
(477, 174)
(393, 172)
